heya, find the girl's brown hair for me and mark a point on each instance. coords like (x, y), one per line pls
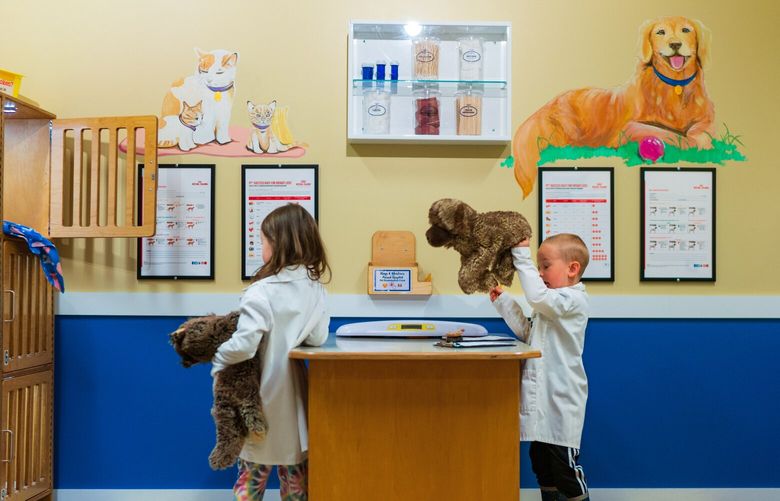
(295, 239)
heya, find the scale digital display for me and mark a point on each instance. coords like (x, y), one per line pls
(411, 327)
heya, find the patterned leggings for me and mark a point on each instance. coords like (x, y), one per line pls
(252, 479)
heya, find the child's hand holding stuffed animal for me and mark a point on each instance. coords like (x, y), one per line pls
(238, 410)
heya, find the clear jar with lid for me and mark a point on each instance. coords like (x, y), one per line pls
(470, 58)
(376, 111)
(468, 112)
(425, 58)
(427, 119)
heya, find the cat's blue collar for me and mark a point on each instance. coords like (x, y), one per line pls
(186, 124)
(261, 127)
(672, 81)
(220, 89)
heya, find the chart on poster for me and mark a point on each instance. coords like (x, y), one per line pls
(580, 201)
(264, 189)
(183, 244)
(678, 224)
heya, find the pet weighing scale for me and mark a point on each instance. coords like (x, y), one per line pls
(408, 328)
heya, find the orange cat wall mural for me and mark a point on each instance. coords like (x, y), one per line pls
(663, 113)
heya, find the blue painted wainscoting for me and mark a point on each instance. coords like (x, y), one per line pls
(673, 404)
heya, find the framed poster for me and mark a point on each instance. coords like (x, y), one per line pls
(677, 224)
(183, 244)
(263, 189)
(580, 200)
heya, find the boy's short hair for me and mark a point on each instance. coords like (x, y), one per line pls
(572, 249)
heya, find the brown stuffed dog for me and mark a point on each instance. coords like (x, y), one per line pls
(238, 411)
(484, 241)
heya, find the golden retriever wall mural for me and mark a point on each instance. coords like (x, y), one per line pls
(663, 113)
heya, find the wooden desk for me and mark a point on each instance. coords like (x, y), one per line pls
(403, 420)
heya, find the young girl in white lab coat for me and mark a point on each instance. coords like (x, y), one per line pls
(286, 302)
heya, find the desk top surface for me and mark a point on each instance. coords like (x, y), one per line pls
(341, 348)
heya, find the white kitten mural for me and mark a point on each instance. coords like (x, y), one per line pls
(213, 84)
(270, 133)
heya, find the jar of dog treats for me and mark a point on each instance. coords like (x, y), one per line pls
(468, 113)
(470, 58)
(425, 58)
(376, 111)
(426, 112)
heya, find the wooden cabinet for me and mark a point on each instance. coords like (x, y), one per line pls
(28, 310)
(26, 426)
(64, 178)
(77, 177)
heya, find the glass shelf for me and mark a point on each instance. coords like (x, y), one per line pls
(446, 88)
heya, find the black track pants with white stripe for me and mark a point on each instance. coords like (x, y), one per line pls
(558, 467)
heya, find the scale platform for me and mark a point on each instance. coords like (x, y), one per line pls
(408, 328)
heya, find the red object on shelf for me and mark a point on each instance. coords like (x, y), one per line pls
(427, 116)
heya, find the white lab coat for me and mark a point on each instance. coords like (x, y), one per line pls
(290, 309)
(554, 388)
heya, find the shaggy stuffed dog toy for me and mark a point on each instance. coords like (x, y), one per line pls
(238, 411)
(484, 241)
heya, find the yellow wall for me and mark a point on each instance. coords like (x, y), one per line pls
(98, 58)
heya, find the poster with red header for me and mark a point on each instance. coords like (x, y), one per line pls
(581, 201)
(264, 188)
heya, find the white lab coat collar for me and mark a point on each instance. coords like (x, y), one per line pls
(287, 274)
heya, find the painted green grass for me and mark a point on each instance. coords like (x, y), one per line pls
(725, 148)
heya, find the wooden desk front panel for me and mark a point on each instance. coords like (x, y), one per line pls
(422, 430)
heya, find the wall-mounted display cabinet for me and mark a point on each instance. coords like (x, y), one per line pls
(429, 83)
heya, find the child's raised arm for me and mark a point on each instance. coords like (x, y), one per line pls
(550, 302)
(523, 243)
(255, 319)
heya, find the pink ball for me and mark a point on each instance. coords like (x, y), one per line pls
(651, 148)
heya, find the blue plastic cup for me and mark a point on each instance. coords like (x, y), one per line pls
(394, 70)
(380, 71)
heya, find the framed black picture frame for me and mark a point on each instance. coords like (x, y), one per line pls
(581, 200)
(183, 245)
(677, 224)
(264, 188)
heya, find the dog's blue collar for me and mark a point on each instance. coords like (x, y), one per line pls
(677, 84)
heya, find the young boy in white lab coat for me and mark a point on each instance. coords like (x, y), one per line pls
(554, 388)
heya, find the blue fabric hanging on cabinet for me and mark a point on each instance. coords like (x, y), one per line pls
(41, 247)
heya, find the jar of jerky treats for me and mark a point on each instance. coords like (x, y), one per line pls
(426, 112)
